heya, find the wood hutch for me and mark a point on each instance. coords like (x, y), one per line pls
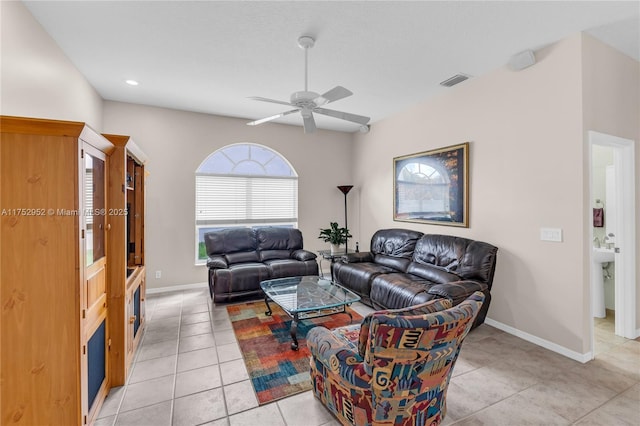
(70, 320)
(126, 270)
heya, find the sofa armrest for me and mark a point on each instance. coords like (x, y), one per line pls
(323, 344)
(303, 255)
(338, 356)
(364, 256)
(457, 291)
(217, 262)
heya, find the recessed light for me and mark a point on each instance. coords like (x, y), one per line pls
(132, 82)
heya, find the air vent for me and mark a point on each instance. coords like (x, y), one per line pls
(452, 81)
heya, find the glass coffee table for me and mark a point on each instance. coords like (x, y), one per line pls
(307, 297)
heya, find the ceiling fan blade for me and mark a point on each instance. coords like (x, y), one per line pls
(273, 101)
(273, 117)
(332, 95)
(360, 119)
(309, 124)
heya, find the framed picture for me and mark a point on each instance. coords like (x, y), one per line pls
(433, 187)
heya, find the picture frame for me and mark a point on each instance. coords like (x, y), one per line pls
(433, 186)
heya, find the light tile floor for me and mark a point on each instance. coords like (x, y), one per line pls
(189, 370)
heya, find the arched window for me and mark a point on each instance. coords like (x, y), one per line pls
(244, 185)
(423, 187)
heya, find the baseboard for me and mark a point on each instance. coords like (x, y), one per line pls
(195, 286)
(583, 358)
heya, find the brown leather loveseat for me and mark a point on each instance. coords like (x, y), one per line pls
(405, 268)
(239, 258)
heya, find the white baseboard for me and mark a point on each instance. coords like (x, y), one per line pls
(540, 342)
(195, 286)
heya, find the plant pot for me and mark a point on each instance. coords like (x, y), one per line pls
(335, 248)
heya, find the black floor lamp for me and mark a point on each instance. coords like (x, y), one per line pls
(345, 190)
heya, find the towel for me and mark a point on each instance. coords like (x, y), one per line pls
(598, 217)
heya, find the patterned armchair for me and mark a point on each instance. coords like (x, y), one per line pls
(395, 367)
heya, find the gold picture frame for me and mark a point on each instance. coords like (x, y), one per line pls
(433, 187)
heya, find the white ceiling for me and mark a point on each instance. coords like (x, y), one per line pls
(210, 56)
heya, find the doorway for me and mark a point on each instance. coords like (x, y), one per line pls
(623, 243)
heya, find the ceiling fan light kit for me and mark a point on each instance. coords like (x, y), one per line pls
(307, 102)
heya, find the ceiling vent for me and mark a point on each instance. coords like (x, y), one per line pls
(452, 81)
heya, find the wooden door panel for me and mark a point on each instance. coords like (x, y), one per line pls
(96, 282)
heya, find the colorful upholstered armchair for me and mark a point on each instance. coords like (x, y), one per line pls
(395, 367)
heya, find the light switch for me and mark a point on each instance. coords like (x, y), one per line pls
(551, 234)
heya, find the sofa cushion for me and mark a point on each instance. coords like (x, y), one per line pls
(479, 262)
(432, 273)
(444, 251)
(242, 257)
(240, 278)
(469, 259)
(280, 268)
(397, 263)
(398, 290)
(229, 240)
(275, 238)
(457, 291)
(357, 276)
(395, 242)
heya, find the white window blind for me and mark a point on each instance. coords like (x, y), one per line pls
(245, 199)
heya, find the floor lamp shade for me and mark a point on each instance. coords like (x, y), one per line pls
(345, 190)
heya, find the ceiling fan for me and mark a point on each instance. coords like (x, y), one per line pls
(309, 102)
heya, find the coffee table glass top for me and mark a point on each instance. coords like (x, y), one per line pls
(310, 293)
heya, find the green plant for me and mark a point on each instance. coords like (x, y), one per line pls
(334, 234)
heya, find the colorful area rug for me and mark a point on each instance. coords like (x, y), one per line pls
(277, 371)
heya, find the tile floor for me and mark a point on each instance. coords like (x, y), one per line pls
(189, 371)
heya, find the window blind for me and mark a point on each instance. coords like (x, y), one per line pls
(245, 199)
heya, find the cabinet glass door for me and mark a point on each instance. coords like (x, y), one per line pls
(94, 208)
(94, 288)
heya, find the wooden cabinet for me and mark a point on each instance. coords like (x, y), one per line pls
(54, 257)
(126, 271)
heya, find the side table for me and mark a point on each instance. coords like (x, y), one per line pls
(327, 255)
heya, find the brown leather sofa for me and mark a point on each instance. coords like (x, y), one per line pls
(239, 258)
(405, 268)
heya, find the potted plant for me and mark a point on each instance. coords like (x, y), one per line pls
(334, 235)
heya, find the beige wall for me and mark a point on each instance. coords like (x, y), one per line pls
(525, 134)
(611, 105)
(176, 142)
(37, 79)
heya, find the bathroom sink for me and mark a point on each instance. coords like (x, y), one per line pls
(603, 255)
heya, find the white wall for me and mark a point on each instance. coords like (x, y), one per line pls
(36, 78)
(176, 142)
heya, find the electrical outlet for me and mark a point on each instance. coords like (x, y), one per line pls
(551, 234)
(158, 274)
